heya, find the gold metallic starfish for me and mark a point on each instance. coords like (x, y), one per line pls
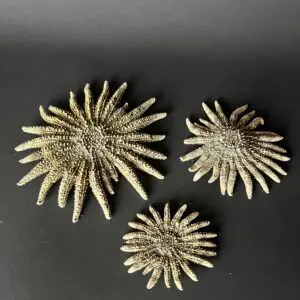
(167, 245)
(233, 146)
(88, 147)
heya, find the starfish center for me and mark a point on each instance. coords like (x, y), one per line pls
(231, 138)
(165, 244)
(227, 143)
(93, 137)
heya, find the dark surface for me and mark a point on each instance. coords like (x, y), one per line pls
(182, 53)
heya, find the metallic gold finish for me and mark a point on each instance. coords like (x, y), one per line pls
(166, 246)
(88, 147)
(232, 146)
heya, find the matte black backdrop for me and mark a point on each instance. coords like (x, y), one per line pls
(182, 52)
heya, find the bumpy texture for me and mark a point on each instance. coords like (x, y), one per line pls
(233, 146)
(88, 147)
(165, 245)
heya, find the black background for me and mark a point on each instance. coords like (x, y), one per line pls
(182, 53)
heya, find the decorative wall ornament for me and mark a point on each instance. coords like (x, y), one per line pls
(165, 245)
(88, 147)
(234, 146)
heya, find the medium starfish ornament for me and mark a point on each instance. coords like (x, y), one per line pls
(165, 245)
(233, 146)
(88, 147)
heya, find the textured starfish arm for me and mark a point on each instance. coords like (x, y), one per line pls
(204, 169)
(220, 113)
(76, 109)
(54, 120)
(197, 260)
(256, 174)
(199, 162)
(99, 193)
(178, 214)
(144, 137)
(127, 171)
(145, 260)
(193, 227)
(273, 154)
(208, 124)
(101, 101)
(261, 166)
(106, 180)
(109, 167)
(197, 140)
(137, 267)
(246, 118)
(114, 101)
(236, 113)
(154, 277)
(167, 274)
(176, 274)
(40, 169)
(265, 136)
(64, 115)
(187, 220)
(117, 114)
(197, 130)
(269, 163)
(156, 216)
(140, 149)
(48, 182)
(147, 220)
(188, 271)
(200, 243)
(138, 241)
(104, 174)
(231, 178)
(224, 175)
(204, 130)
(216, 171)
(134, 248)
(167, 215)
(135, 258)
(198, 236)
(42, 141)
(45, 130)
(142, 122)
(88, 103)
(255, 123)
(81, 185)
(271, 147)
(246, 179)
(148, 269)
(202, 252)
(211, 115)
(142, 164)
(31, 157)
(135, 113)
(64, 189)
(141, 227)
